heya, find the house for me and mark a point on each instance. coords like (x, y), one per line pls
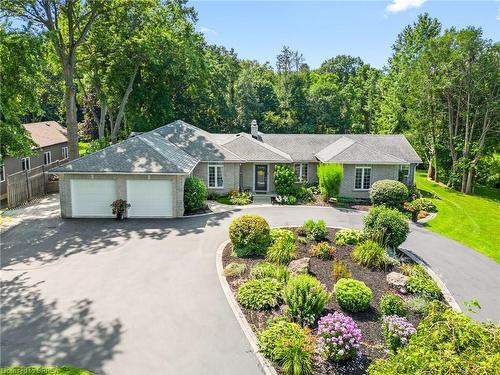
(149, 169)
(51, 145)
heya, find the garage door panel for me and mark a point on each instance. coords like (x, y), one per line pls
(92, 198)
(150, 198)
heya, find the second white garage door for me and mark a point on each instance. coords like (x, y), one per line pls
(150, 198)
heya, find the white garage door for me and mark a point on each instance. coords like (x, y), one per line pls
(150, 198)
(92, 198)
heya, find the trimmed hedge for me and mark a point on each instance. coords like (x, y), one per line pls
(195, 194)
(250, 235)
(353, 295)
(390, 193)
(259, 294)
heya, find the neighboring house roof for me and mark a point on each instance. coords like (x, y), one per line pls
(196, 142)
(46, 133)
(145, 153)
(249, 148)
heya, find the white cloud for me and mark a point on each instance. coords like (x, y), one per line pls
(402, 5)
(206, 30)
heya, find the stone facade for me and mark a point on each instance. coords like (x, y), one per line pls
(121, 188)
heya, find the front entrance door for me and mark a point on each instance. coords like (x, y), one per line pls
(261, 178)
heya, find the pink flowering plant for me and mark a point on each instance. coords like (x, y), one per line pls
(338, 337)
(397, 331)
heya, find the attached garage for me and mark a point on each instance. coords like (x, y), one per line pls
(92, 198)
(150, 198)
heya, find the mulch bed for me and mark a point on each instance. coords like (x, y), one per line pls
(373, 345)
(319, 201)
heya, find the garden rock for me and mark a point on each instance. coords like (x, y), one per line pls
(298, 266)
(397, 281)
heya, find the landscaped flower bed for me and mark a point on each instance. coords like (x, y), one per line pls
(348, 339)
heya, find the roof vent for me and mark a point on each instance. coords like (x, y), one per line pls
(254, 129)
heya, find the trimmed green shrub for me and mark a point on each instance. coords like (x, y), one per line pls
(281, 251)
(446, 342)
(234, 269)
(315, 230)
(353, 295)
(387, 224)
(250, 235)
(195, 194)
(390, 193)
(424, 287)
(412, 269)
(348, 237)
(284, 180)
(340, 270)
(322, 250)
(423, 204)
(371, 255)
(278, 233)
(259, 294)
(392, 304)
(270, 270)
(306, 298)
(289, 345)
(330, 177)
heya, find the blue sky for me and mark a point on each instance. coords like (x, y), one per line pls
(322, 29)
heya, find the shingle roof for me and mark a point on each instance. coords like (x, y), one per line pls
(251, 149)
(46, 133)
(145, 153)
(196, 142)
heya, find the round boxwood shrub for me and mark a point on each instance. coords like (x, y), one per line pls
(249, 235)
(306, 298)
(392, 304)
(387, 225)
(353, 295)
(195, 194)
(390, 193)
(259, 294)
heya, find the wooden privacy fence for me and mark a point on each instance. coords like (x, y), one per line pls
(25, 186)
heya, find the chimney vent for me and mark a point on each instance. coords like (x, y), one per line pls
(254, 129)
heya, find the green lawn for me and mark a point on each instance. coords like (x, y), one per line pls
(41, 370)
(473, 220)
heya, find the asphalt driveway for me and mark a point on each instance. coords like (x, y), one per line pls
(143, 296)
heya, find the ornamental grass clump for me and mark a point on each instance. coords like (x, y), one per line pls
(340, 270)
(371, 255)
(259, 294)
(397, 331)
(270, 270)
(338, 337)
(306, 298)
(283, 248)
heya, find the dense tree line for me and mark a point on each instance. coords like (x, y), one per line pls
(107, 68)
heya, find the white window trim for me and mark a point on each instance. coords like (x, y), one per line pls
(65, 152)
(2, 175)
(28, 163)
(49, 153)
(218, 167)
(299, 177)
(362, 177)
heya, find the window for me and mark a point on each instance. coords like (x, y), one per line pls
(47, 157)
(215, 176)
(301, 171)
(362, 180)
(2, 173)
(404, 172)
(25, 164)
(65, 153)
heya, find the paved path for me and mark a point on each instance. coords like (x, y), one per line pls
(143, 297)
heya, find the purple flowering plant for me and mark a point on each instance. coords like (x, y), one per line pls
(397, 331)
(338, 337)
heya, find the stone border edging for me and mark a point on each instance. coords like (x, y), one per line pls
(446, 293)
(240, 317)
(429, 217)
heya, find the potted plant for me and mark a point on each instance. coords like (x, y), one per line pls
(119, 206)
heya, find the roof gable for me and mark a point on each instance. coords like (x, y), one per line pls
(251, 149)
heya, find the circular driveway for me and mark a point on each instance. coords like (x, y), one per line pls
(143, 296)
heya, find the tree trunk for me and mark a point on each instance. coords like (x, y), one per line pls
(430, 170)
(102, 119)
(121, 110)
(71, 110)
